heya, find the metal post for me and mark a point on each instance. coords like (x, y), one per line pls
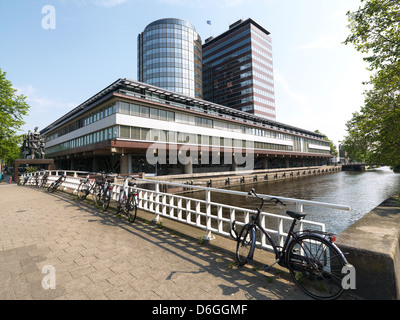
(157, 206)
(209, 235)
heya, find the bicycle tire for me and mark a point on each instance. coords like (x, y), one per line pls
(83, 190)
(43, 182)
(245, 245)
(53, 187)
(316, 264)
(131, 206)
(98, 194)
(106, 199)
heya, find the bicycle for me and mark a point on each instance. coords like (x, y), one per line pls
(314, 261)
(85, 187)
(23, 180)
(103, 191)
(55, 184)
(43, 181)
(127, 200)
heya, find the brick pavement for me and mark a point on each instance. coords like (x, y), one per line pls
(97, 255)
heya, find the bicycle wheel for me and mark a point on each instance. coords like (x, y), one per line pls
(106, 199)
(98, 194)
(316, 266)
(131, 208)
(245, 245)
(83, 190)
(53, 187)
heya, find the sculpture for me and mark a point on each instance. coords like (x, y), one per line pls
(33, 146)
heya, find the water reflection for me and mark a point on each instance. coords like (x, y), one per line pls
(362, 191)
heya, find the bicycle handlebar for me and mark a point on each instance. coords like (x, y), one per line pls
(253, 193)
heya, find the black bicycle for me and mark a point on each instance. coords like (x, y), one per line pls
(55, 184)
(43, 180)
(127, 200)
(314, 261)
(85, 187)
(103, 190)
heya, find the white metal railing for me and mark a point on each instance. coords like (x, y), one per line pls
(213, 217)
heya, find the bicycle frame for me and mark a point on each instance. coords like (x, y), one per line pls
(279, 254)
(125, 191)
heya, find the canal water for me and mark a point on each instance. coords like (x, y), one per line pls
(362, 191)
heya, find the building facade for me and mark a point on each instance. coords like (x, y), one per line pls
(169, 56)
(132, 127)
(238, 69)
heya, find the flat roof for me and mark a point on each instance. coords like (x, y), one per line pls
(236, 26)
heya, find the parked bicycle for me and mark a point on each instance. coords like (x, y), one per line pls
(23, 180)
(314, 261)
(103, 190)
(43, 181)
(86, 186)
(127, 201)
(54, 185)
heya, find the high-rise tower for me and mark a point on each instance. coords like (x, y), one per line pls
(169, 56)
(238, 69)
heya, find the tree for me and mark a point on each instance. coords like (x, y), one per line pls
(333, 151)
(12, 110)
(374, 132)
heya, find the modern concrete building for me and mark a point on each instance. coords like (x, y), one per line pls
(132, 127)
(238, 69)
(169, 56)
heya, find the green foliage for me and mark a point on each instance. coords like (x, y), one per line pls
(374, 132)
(333, 150)
(12, 110)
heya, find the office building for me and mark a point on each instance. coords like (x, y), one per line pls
(238, 69)
(128, 125)
(169, 56)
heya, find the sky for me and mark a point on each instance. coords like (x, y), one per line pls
(58, 59)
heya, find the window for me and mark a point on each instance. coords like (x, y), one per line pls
(124, 108)
(144, 111)
(154, 113)
(125, 132)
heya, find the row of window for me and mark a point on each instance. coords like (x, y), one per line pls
(98, 136)
(164, 115)
(155, 135)
(225, 43)
(227, 50)
(83, 122)
(261, 44)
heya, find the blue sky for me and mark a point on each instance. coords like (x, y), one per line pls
(318, 80)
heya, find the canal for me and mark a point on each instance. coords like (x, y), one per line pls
(362, 191)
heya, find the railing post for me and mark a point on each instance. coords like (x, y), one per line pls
(209, 235)
(157, 205)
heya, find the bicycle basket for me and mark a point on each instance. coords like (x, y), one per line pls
(131, 184)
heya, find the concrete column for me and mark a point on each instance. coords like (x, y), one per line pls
(265, 163)
(189, 167)
(129, 163)
(72, 163)
(124, 164)
(234, 164)
(287, 162)
(95, 164)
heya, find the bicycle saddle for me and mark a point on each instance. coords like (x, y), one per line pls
(296, 215)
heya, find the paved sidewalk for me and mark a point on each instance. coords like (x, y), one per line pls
(97, 255)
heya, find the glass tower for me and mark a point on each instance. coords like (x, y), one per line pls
(170, 57)
(238, 70)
